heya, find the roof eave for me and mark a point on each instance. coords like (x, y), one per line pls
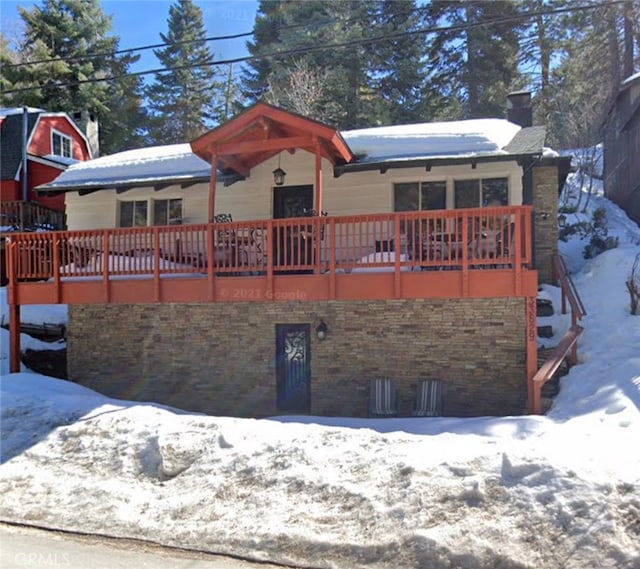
(427, 163)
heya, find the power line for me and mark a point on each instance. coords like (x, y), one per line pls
(311, 49)
(321, 23)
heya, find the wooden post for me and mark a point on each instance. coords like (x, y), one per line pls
(14, 338)
(533, 393)
(212, 187)
(316, 230)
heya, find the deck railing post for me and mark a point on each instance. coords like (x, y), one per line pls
(156, 262)
(270, 259)
(465, 253)
(210, 261)
(396, 257)
(332, 258)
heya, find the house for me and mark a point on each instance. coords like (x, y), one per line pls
(276, 265)
(622, 148)
(35, 147)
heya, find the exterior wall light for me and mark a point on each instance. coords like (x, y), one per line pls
(321, 330)
(562, 220)
(279, 174)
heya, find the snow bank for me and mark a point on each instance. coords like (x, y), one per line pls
(554, 492)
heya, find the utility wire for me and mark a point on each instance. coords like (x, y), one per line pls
(321, 23)
(311, 49)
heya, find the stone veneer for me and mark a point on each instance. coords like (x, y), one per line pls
(545, 205)
(219, 358)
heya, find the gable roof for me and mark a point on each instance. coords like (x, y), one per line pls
(11, 140)
(262, 131)
(371, 148)
(11, 136)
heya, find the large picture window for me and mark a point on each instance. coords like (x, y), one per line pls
(413, 196)
(481, 192)
(61, 144)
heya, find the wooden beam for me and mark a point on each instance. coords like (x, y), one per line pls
(236, 164)
(262, 145)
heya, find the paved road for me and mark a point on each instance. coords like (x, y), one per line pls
(30, 548)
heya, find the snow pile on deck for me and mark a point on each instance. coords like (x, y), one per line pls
(560, 491)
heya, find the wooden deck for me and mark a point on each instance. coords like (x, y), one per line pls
(483, 252)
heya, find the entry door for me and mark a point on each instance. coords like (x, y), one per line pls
(291, 201)
(293, 367)
(289, 247)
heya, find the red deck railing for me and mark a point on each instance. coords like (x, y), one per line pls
(29, 216)
(496, 237)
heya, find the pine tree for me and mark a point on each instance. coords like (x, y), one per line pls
(342, 95)
(187, 97)
(479, 57)
(397, 72)
(70, 38)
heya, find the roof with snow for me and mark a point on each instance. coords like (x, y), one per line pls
(11, 138)
(392, 146)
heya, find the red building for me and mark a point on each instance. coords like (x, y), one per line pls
(50, 142)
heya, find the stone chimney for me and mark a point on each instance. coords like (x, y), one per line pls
(519, 108)
(88, 124)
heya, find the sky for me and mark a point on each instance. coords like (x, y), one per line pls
(140, 22)
(560, 491)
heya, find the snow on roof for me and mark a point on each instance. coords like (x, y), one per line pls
(7, 111)
(156, 163)
(479, 137)
(475, 137)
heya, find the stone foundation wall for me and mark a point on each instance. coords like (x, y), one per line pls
(219, 358)
(545, 204)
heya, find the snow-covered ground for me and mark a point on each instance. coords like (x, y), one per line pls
(559, 491)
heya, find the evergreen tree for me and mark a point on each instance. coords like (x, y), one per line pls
(342, 94)
(70, 38)
(186, 98)
(479, 56)
(397, 72)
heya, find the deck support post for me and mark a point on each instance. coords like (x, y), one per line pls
(14, 338)
(533, 395)
(316, 229)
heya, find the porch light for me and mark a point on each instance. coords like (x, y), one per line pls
(321, 330)
(562, 220)
(279, 174)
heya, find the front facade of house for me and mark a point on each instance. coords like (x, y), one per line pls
(426, 265)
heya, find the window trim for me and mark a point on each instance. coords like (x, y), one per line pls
(63, 137)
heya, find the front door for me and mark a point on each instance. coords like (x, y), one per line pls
(291, 201)
(291, 246)
(293, 367)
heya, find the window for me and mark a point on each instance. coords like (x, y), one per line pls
(167, 212)
(133, 214)
(481, 193)
(61, 144)
(414, 196)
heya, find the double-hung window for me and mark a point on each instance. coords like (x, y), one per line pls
(61, 144)
(134, 213)
(167, 212)
(137, 213)
(481, 192)
(415, 196)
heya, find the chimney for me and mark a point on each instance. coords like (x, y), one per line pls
(519, 108)
(88, 124)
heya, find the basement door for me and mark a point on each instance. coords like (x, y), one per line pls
(293, 367)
